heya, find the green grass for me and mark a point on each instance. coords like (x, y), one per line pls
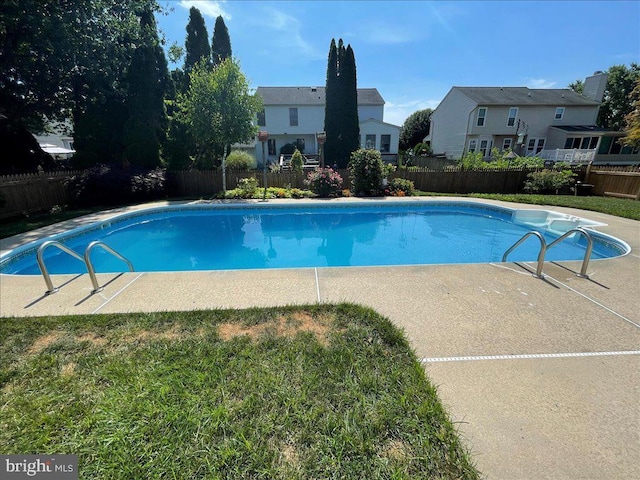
(27, 223)
(306, 392)
(620, 207)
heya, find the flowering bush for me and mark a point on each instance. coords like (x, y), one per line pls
(367, 171)
(324, 182)
(400, 187)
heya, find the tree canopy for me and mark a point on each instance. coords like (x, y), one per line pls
(616, 105)
(218, 107)
(632, 119)
(415, 128)
(67, 57)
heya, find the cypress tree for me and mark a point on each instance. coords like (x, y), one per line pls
(351, 122)
(148, 80)
(197, 43)
(332, 107)
(341, 105)
(220, 43)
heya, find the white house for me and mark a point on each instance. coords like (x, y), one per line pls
(296, 114)
(557, 124)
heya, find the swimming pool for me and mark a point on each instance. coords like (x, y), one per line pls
(320, 234)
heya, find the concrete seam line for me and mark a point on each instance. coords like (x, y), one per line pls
(118, 292)
(597, 303)
(317, 285)
(528, 356)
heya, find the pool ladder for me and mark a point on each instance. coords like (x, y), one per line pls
(86, 260)
(544, 247)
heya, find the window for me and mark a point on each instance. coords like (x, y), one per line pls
(293, 117)
(370, 141)
(473, 144)
(535, 145)
(513, 114)
(262, 122)
(586, 143)
(484, 144)
(507, 143)
(482, 116)
(272, 146)
(559, 113)
(385, 143)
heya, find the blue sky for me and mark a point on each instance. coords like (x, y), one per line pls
(413, 52)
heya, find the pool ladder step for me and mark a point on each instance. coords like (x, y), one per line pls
(544, 247)
(86, 260)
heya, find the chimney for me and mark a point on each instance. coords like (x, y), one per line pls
(594, 86)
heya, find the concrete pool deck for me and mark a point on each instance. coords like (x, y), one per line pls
(543, 376)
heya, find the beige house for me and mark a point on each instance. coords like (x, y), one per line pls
(556, 124)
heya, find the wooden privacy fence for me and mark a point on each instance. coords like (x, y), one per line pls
(28, 193)
(623, 182)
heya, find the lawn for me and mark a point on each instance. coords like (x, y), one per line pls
(299, 392)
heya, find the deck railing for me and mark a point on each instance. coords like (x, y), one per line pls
(570, 155)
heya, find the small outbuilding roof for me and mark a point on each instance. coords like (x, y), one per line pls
(311, 96)
(514, 96)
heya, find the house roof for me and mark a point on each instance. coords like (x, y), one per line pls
(380, 122)
(514, 96)
(592, 129)
(311, 96)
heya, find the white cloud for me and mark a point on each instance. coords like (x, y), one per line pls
(208, 9)
(397, 113)
(289, 34)
(540, 83)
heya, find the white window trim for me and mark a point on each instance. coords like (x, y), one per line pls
(555, 115)
(504, 143)
(484, 117)
(487, 148)
(474, 142)
(515, 117)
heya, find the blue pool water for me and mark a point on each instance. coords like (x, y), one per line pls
(206, 237)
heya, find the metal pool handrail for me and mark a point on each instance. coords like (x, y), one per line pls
(92, 272)
(45, 273)
(541, 254)
(587, 253)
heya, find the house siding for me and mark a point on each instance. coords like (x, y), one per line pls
(449, 124)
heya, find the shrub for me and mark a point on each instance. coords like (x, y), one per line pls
(239, 160)
(247, 187)
(289, 148)
(400, 187)
(296, 161)
(422, 150)
(324, 182)
(114, 185)
(367, 171)
(548, 181)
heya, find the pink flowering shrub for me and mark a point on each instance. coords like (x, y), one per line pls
(324, 182)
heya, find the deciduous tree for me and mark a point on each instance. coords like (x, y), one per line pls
(615, 104)
(219, 108)
(415, 128)
(632, 119)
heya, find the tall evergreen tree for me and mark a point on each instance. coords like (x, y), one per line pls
(197, 42)
(351, 122)
(341, 105)
(220, 43)
(148, 80)
(332, 112)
